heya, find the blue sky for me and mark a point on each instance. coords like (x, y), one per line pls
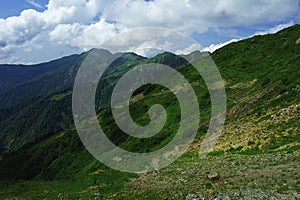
(33, 31)
(10, 8)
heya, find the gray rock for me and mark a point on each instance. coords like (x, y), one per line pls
(191, 197)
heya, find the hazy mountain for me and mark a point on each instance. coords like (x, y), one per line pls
(12, 76)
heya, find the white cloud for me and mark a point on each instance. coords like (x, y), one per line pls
(16, 32)
(199, 15)
(192, 48)
(83, 36)
(275, 29)
(149, 41)
(213, 47)
(82, 24)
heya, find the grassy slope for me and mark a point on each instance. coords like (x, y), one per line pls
(263, 82)
(261, 137)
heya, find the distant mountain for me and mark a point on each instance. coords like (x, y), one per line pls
(39, 80)
(12, 76)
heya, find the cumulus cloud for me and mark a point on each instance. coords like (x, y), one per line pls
(17, 31)
(83, 24)
(199, 15)
(83, 36)
(213, 47)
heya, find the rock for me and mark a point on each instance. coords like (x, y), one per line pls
(191, 197)
(213, 176)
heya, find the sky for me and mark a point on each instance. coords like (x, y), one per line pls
(34, 31)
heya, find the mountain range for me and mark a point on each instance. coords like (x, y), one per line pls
(257, 154)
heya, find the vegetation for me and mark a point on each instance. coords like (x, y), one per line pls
(258, 150)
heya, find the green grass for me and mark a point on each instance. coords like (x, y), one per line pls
(60, 96)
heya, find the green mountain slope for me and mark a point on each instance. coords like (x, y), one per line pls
(50, 112)
(45, 111)
(256, 156)
(262, 80)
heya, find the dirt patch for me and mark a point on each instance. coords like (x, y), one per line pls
(298, 41)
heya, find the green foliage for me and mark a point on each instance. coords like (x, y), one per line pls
(216, 153)
(283, 188)
(60, 96)
(250, 143)
(277, 142)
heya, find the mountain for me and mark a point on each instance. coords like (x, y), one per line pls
(46, 99)
(14, 75)
(257, 155)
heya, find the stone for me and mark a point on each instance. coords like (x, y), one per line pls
(213, 176)
(191, 197)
